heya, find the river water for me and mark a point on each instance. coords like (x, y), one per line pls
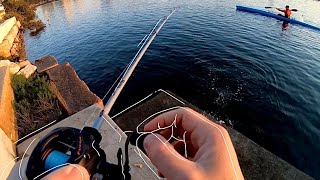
(237, 66)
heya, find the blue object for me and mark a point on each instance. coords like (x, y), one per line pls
(55, 158)
(269, 14)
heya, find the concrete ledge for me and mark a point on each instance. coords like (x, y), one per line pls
(255, 161)
(7, 155)
(7, 114)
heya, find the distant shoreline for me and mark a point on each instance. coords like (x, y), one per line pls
(44, 2)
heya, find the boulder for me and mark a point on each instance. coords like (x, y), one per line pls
(12, 34)
(28, 70)
(14, 68)
(46, 63)
(5, 49)
(6, 26)
(72, 93)
(24, 63)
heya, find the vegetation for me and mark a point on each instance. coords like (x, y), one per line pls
(35, 103)
(24, 11)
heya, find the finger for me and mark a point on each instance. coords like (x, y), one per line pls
(171, 131)
(165, 158)
(186, 149)
(191, 150)
(69, 172)
(166, 133)
(184, 117)
(180, 147)
(187, 120)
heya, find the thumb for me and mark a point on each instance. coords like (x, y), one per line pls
(165, 158)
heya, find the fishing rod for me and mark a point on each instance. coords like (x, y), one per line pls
(68, 145)
(130, 69)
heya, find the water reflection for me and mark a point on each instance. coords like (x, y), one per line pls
(68, 7)
(47, 11)
(88, 6)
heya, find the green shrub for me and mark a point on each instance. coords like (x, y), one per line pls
(31, 89)
(35, 103)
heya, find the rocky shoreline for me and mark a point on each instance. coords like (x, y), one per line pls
(44, 2)
(56, 86)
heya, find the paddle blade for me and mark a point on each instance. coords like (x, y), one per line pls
(268, 7)
(295, 10)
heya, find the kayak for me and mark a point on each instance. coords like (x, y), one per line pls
(276, 16)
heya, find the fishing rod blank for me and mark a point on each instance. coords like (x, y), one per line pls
(127, 74)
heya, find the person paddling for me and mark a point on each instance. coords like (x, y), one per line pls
(287, 11)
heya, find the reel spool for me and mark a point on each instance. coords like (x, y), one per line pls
(63, 146)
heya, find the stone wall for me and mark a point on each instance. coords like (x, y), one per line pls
(8, 33)
(7, 114)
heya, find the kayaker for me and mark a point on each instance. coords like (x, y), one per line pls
(287, 11)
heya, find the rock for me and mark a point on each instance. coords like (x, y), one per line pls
(46, 63)
(5, 49)
(14, 51)
(28, 70)
(14, 68)
(6, 26)
(16, 40)
(18, 24)
(138, 165)
(72, 93)
(12, 34)
(24, 63)
(4, 63)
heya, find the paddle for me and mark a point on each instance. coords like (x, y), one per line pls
(294, 10)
